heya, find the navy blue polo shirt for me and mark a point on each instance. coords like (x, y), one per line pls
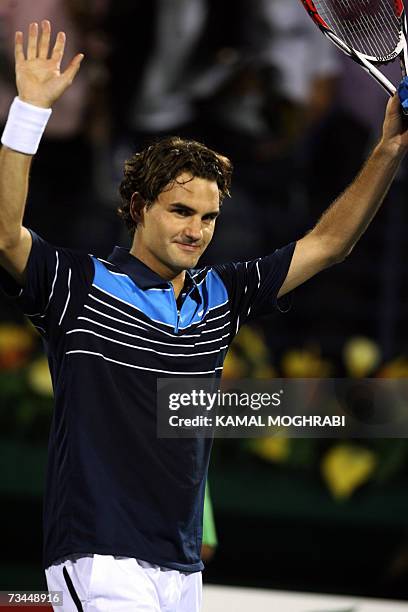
(111, 328)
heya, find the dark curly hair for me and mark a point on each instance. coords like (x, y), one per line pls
(159, 165)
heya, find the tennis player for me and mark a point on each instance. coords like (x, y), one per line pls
(123, 509)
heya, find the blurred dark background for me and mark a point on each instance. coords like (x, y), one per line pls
(256, 81)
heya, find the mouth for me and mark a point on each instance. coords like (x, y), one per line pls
(191, 248)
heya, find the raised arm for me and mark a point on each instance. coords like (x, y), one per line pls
(39, 83)
(342, 224)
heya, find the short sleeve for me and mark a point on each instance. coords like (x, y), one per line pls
(57, 281)
(253, 286)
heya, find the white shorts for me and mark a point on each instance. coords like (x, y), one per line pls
(96, 583)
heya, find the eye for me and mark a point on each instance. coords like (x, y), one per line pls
(181, 212)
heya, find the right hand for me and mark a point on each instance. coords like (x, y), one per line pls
(38, 77)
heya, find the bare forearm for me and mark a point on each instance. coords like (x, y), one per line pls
(14, 174)
(39, 83)
(347, 218)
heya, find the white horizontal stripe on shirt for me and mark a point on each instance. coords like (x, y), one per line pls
(209, 331)
(139, 309)
(218, 306)
(134, 335)
(209, 341)
(130, 365)
(134, 319)
(130, 305)
(143, 348)
(214, 318)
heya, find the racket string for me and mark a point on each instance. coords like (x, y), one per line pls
(382, 18)
(368, 41)
(385, 46)
(349, 30)
(331, 18)
(353, 29)
(369, 26)
(335, 24)
(382, 42)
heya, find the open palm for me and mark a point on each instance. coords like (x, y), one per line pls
(38, 76)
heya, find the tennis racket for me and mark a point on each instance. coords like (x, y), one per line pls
(371, 32)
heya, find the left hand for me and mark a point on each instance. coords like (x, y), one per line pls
(38, 77)
(395, 128)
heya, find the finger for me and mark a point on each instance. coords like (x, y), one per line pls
(70, 73)
(18, 47)
(59, 47)
(393, 104)
(45, 39)
(32, 41)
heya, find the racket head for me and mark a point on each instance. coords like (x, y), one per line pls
(376, 29)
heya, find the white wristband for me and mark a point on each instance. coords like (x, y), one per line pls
(25, 126)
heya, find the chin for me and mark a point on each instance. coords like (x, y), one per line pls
(189, 261)
(186, 260)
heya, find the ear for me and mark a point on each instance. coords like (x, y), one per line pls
(137, 205)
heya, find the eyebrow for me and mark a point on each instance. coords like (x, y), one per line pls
(193, 210)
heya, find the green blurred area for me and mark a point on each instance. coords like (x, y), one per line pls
(269, 506)
(290, 506)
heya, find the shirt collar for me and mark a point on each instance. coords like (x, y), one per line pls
(141, 274)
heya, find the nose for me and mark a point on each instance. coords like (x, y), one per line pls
(193, 229)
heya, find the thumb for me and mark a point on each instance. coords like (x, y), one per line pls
(71, 71)
(393, 106)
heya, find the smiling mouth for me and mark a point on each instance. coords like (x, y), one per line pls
(192, 248)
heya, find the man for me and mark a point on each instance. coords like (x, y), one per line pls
(123, 509)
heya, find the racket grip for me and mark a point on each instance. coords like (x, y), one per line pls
(403, 94)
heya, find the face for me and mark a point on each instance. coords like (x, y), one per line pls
(177, 228)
